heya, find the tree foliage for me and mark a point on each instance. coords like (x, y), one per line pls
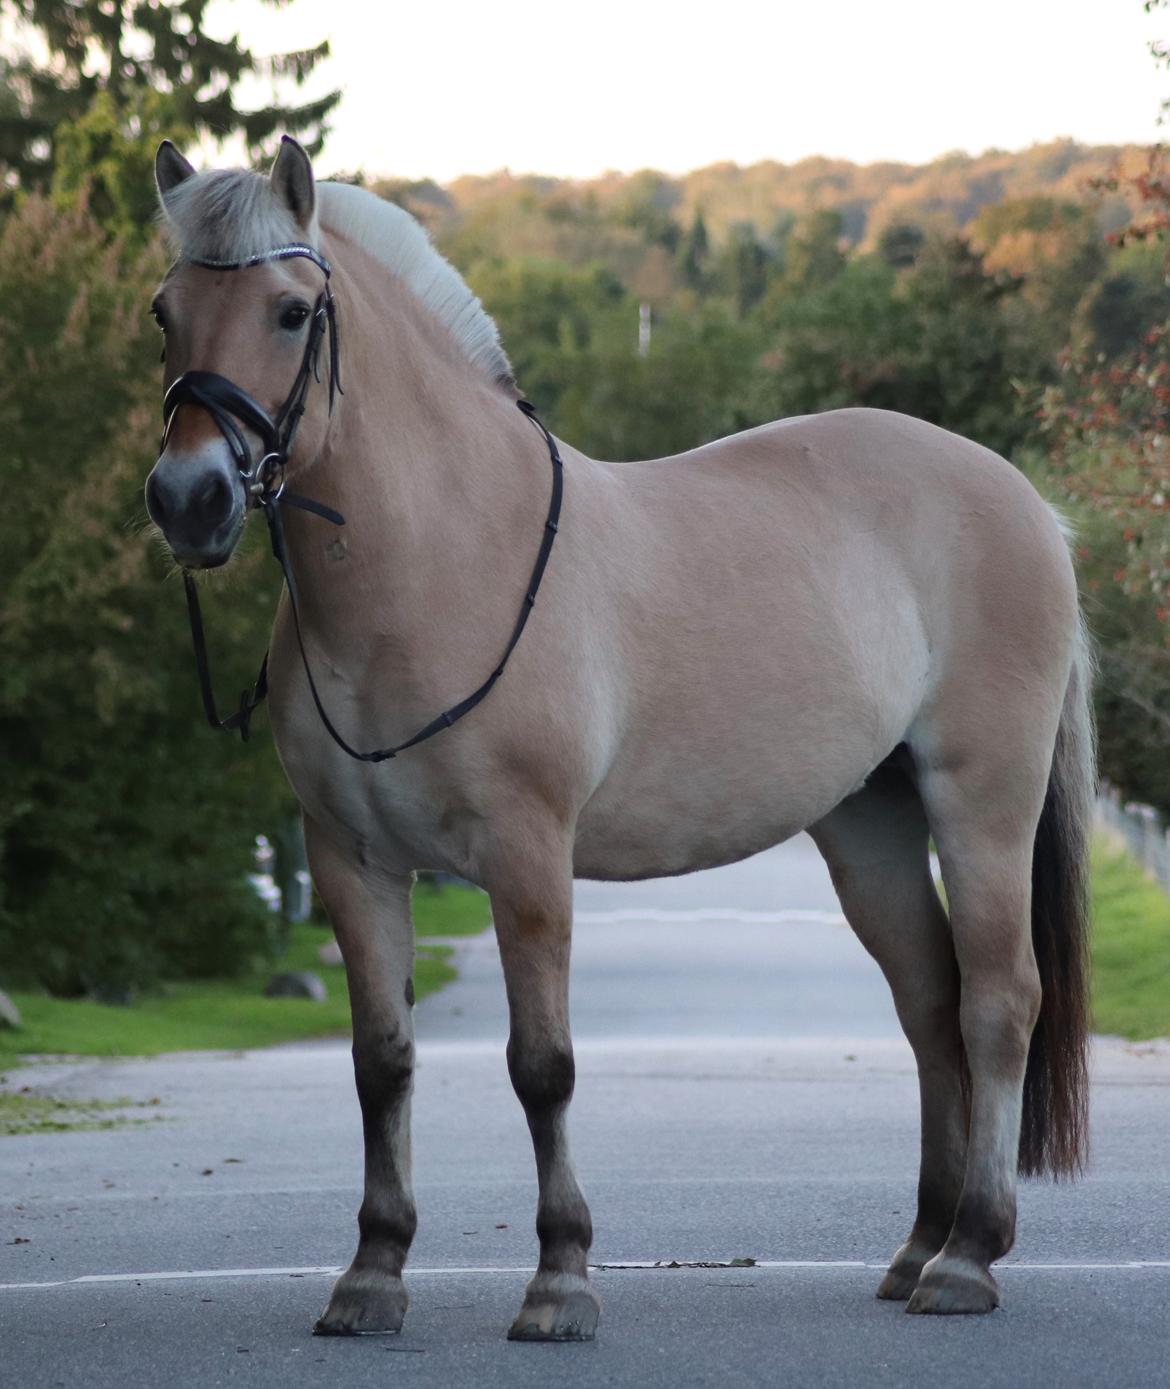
(125, 833)
(130, 72)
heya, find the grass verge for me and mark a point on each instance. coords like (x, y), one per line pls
(1131, 947)
(232, 1014)
(24, 1111)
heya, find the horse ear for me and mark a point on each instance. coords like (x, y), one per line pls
(292, 182)
(170, 168)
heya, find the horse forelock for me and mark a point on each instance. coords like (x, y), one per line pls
(231, 214)
(228, 215)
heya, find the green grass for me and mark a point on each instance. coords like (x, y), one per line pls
(232, 1014)
(451, 910)
(24, 1111)
(1131, 947)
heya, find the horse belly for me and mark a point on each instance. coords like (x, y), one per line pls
(671, 805)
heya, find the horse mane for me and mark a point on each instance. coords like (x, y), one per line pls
(231, 214)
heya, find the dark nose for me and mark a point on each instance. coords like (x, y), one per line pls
(197, 503)
(205, 506)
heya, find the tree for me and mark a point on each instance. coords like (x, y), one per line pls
(743, 268)
(1053, 250)
(125, 829)
(549, 315)
(153, 70)
(813, 255)
(1126, 302)
(900, 244)
(695, 253)
(646, 202)
(929, 340)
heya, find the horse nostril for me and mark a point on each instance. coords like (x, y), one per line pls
(213, 503)
(156, 506)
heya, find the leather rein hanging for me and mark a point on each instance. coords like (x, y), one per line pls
(230, 406)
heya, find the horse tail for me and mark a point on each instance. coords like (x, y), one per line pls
(1054, 1133)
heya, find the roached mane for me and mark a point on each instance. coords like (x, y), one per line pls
(232, 214)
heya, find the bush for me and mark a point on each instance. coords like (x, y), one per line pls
(125, 825)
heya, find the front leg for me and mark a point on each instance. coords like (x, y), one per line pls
(370, 913)
(532, 909)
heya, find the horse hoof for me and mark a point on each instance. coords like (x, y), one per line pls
(364, 1304)
(952, 1286)
(567, 1316)
(904, 1272)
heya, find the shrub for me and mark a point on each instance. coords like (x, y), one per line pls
(125, 825)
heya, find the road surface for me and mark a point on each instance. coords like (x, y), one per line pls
(743, 1093)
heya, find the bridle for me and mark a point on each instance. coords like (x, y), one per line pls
(263, 481)
(225, 402)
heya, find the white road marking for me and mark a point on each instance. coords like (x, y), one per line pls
(656, 915)
(525, 1270)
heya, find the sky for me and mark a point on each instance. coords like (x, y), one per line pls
(443, 89)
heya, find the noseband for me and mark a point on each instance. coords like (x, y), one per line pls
(228, 403)
(263, 481)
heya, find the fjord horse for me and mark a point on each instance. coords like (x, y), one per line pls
(853, 623)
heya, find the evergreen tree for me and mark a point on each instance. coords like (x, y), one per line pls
(813, 253)
(743, 268)
(900, 244)
(695, 253)
(153, 69)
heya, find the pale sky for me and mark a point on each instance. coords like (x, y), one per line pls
(452, 87)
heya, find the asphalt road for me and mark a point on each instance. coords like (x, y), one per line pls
(743, 1092)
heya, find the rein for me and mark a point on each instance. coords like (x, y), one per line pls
(264, 486)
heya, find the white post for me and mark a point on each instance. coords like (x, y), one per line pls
(644, 316)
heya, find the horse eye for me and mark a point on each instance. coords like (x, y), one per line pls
(157, 314)
(293, 316)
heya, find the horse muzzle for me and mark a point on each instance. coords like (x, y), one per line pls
(198, 503)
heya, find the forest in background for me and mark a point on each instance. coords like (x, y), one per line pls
(1018, 298)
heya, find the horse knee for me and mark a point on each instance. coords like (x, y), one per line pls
(542, 1077)
(383, 1067)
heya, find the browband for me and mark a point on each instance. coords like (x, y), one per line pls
(280, 253)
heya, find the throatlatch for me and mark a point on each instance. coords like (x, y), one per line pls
(263, 481)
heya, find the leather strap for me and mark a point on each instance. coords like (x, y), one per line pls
(250, 700)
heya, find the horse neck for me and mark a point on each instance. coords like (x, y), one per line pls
(441, 479)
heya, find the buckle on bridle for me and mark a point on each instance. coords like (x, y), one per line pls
(259, 480)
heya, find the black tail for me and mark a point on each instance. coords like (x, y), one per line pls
(1054, 1135)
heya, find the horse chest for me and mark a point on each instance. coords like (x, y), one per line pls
(391, 815)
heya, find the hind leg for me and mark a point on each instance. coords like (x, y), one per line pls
(876, 846)
(984, 820)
